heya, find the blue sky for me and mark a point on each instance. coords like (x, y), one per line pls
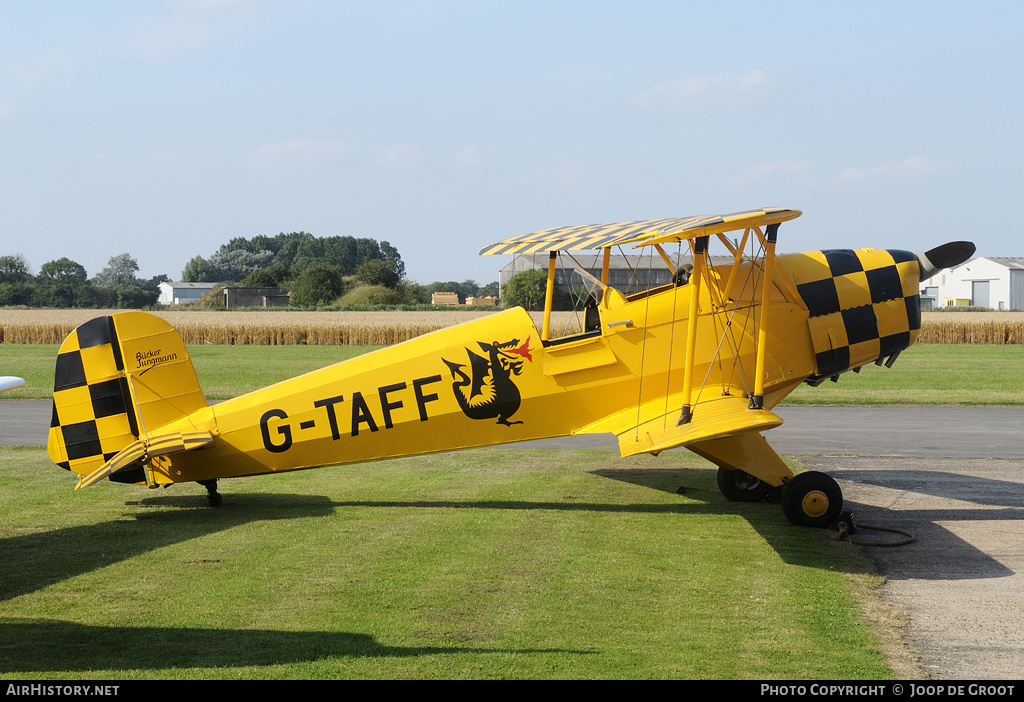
(165, 128)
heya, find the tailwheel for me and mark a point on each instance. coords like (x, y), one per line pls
(212, 495)
(738, 486)
(812, 499)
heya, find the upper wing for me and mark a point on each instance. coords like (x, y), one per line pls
(597, 236)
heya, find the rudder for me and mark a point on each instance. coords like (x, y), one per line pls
(118, 378)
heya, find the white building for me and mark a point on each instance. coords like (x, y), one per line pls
(183, 293)
(994, 282)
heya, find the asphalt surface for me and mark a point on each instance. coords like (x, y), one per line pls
(951, 476)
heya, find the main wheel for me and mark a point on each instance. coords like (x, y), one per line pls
(738, 486)
(812, 499)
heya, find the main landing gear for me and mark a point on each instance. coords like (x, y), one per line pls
(212, 495)
(738, 486)
(811, 499)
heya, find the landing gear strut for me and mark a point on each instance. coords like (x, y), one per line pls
(212, 495)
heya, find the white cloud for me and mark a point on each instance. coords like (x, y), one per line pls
(915, 165)
(760, 172)
(400, 157)
(187, 26)
(708, 87)
(468, 156)
(296, 154)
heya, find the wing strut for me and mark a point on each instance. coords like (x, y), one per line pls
(699, 251)
(757, 399)
(549, 296)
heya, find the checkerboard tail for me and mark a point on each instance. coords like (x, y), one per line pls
(119, 378)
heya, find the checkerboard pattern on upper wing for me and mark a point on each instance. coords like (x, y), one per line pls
(596, 236)
(92, 416)
(864, 304)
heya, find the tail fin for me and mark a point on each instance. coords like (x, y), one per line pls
(119, 378)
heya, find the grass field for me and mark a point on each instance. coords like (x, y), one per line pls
(936, 374)
(479, 564)
(482, 564)
(929, 374)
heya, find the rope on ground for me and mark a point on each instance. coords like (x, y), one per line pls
(846, 528)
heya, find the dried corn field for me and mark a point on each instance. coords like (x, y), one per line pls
(259, 328)
(972, 328)
(386, 328)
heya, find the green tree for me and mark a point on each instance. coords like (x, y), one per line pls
(133, 297)
(120, 270)
(526, 290)
(318, 285)
(63, 270)
(375, 272)
(489, 290)
(297, 251)
(63, 283)
(199, 270)
(14, 269)
(390, 254)
(16, 293)
(269, 277)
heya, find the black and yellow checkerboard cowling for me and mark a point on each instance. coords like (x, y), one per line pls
(93, 417)
(863, 304)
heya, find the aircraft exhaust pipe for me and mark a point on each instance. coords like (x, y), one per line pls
(946, 256)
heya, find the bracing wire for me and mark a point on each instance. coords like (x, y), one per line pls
(753, 274)
(643, 345)
(672, 332)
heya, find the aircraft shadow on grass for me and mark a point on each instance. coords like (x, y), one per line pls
(46, 558)
(35, 561)
(48, 645)
(43, 559)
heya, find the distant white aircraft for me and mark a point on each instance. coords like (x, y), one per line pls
(9, 382)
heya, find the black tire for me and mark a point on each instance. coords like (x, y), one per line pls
(738, 486)
(812, 499)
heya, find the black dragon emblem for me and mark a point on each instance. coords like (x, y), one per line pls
(489, 392)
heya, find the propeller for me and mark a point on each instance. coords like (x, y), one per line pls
(946, 256)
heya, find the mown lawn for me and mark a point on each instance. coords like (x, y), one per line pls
(480, 564)
(502, 563)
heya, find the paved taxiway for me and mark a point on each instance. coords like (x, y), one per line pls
(953, 476)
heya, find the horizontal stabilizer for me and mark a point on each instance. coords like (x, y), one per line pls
(712, 419)
(142, 450)
(9, 382)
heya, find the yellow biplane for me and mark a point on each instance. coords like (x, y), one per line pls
(698, 362)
